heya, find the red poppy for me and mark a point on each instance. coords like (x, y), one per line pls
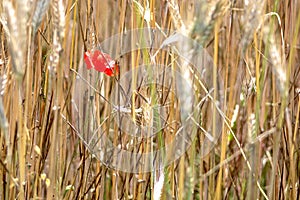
(101, 62)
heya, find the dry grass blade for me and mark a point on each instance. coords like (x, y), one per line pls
(276, 57)
(3, 120)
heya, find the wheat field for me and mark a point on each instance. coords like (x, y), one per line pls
(203, 101)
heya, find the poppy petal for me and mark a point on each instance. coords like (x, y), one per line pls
(87, 60)
(113, 70)
(99, 60)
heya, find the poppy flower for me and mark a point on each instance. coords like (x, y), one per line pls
(101, 62)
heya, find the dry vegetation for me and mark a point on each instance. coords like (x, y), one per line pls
(53, 111)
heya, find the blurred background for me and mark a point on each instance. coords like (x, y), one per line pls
(246, 94)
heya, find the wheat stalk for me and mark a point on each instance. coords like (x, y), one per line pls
(251, 20)
(14, 39)
(39, 12)
(206, 19)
